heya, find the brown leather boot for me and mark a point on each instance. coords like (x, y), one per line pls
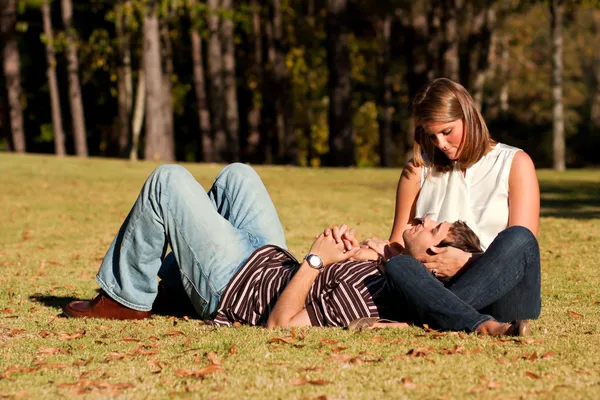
(103, 307)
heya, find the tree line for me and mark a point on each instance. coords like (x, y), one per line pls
(313, 82)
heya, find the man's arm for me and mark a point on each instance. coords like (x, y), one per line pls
(289, 309)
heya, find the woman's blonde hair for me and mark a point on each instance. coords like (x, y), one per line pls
(443, 101)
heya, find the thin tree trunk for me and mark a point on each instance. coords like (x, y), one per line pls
(12, 75)
(450, 50)
(434, 42)
(486, 48)
(286, 140)
(156, 146)
(138, 114)
(256, 77)
(167, 108)
(232, 118)
(558, 119)
(269, 111)
(201, 103)
(308, 106)
(77, 115)
(57, 126)
(504, 60)
(124, 84)
(385, 101)
(215, 70)
(341, 134)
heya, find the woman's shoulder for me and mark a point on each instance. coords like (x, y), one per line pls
(502, 148)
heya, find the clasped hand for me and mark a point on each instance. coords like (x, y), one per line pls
(335, 244)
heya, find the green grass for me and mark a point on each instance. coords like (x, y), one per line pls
(57, 218)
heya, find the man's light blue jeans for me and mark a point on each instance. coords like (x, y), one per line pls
(211, 235)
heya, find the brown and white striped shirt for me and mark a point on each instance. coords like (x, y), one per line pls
(340, 294)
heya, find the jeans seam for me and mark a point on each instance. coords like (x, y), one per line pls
(195, 259)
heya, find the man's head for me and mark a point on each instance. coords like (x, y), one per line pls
(426, 233)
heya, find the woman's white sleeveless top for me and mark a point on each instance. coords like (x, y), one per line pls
(480, 198)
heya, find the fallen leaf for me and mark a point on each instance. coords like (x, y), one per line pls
(532, 375)
(232, 350)
(311, 369)
(477, 389)
(174, 333)
(52, 351)
(212, 358)
(200, 373)
(494, 385)
(407, 383)
(329, 341)
(338, 349)
(575, 315)
(299, 381)
(280, 340)
(319, 382)
(376, 339)
(548, 355)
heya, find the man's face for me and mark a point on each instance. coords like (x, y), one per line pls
(424, 234)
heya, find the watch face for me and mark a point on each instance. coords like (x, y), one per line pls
(314, 261)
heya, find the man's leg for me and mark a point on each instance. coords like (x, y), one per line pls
(173, 208)
(238, 195)
(505, 281)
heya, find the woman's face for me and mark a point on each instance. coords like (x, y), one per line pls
(446, 136)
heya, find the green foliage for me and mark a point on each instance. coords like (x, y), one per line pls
(367, 135)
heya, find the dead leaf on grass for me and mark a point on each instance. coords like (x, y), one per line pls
(574, 314)
(174, 333)
(338, 349)
(304, 369)
(232, 350)
(67, 336)
(329, 341)
(212, 358)
(407, 383)
(299, 381)
(319, 382)
(548, 355)
(281, 340)
(45, 351)
(376, 339)
(532, 375)
(200, 373)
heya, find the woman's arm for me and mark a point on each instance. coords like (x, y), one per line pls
(289, 309)
(406, 199)
(523, 194)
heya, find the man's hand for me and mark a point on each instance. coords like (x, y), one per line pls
(445, 262)
(382, 247)
(332, 251)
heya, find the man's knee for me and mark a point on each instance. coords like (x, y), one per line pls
(237, 172)
(401, 265)
(171, 172)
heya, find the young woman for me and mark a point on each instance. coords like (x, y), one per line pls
(460, 172)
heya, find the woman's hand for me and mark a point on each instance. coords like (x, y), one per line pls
(446, 261)
(342, 234)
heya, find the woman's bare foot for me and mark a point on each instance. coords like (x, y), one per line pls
(495, 328)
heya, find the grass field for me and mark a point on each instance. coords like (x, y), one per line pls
(57, 218)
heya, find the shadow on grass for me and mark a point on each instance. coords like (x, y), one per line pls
(574, 199)
(57, 302)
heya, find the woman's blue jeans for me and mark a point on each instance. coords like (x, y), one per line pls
(503, 284)
(211, 235)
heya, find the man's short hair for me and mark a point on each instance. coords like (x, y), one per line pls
(462, 237)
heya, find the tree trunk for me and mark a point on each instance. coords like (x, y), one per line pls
(124, 84)
(138, 114)
(156, 146)
(232, 118)
(167, 87)
(255, 84)
(57, 126)
(201, 103)
(434, 43)
(486, 48)
(12, 75)
(450, 58)
(77, 115)
(215, 70)
(309, 100)
(558, 119)
(341, 135)
(385, 100)
(504, 60)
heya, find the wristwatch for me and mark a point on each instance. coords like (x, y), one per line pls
(314, 261)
